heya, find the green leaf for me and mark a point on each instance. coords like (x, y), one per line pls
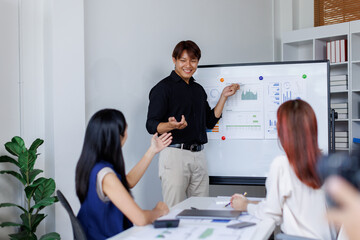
(32, 159)
(9, 160)
(10, 224)
(19, 141)
(33, 174)
(51, 236)
(24, 173)
(45, 190)
(16, 146)
(29, 190)
(24, 161)
(42, 207)
(15, 174)
(45, 202)
(23, 235)
(12, 205)
(25, 221)
(34, 146)
(35, 221)
(13, 148)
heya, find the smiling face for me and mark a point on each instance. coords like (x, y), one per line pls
(185, 66)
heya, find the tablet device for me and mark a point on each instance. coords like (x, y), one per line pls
(241, 225)
(209, 214)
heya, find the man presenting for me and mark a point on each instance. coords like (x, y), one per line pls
(179, 105)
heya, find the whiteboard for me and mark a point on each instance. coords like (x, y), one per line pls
(243, 144)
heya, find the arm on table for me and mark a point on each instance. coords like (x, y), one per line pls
(120, 197)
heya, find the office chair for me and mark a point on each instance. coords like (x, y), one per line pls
(78, 231)
(283, 236)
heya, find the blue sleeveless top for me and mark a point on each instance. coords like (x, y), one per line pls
(99, 219)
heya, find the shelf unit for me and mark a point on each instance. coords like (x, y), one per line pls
(310, 44)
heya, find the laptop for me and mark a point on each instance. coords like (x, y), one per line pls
(209, 214)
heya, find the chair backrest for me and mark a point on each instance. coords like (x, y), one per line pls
(78, 231)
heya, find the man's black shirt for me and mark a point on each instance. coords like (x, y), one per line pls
(173, 97)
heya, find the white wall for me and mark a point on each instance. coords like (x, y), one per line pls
(64, 99)
(9, 103)
(290, 15)
(129, 46)
(42, 94)
(303, 14)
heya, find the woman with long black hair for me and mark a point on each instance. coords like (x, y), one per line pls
(102, 186)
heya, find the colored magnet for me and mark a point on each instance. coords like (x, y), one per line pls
(304, 76)
(221, 80)
(261, 78)
(223, 138)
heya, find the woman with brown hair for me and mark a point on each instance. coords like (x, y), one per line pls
(294, 197)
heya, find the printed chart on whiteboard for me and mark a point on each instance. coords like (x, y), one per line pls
(251, 112)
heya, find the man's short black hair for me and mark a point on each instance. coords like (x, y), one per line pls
(192, 49)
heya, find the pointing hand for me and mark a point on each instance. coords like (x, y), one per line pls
(230, 90)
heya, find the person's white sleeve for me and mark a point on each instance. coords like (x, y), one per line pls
(99, 178)
(278, 189)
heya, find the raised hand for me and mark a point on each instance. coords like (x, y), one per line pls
(178, 125)
(159, 143)
(230, 90)
(239, 202)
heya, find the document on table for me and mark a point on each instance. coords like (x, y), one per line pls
(191, 229)
(186, 231)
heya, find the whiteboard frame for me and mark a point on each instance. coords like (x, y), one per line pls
(260, 181)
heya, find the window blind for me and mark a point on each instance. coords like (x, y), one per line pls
(335, 11)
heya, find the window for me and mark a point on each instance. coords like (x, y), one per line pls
(335, 11)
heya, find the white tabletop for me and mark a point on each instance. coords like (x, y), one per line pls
(202, 229)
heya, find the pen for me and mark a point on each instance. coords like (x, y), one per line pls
(245, 193)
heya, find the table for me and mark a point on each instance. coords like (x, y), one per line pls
(202, 229)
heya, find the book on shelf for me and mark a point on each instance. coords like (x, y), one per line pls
(341, 110)
(340, 77)
(336, 83)
(342, 116)
(332, 50)
(341, 145)
(341, 140)
(341, 134)
(343, 50)
(336, 51)
(339, 105)
(338, 88)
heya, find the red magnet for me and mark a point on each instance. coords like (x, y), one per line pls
(223, 137)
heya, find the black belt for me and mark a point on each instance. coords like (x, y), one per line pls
(192, 147)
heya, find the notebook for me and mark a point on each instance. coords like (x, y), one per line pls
(209, 214)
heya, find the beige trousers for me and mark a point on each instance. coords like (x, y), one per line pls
(183, 174)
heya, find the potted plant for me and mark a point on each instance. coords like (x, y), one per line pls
(38, 192)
